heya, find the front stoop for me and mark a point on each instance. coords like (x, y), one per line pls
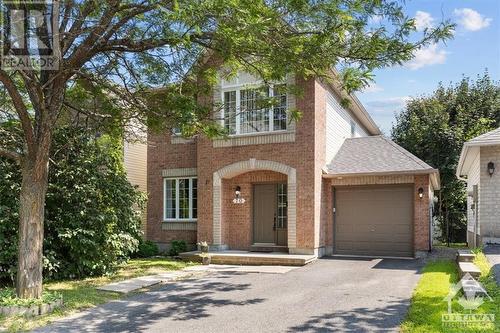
(252, 258)
(465, 263)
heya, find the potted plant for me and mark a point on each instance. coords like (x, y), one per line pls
(203, 246)
(205, 258)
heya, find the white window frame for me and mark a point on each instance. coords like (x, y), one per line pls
(177, 209)
(237, 89)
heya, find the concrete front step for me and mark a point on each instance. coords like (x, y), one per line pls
(268, 248)
(468, 267)
(465, 256)
(252, 258)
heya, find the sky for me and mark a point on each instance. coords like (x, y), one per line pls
(474, 48)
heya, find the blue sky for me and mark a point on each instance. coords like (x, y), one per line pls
(475, 47)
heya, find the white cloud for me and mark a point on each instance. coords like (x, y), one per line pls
(423, 20)
(471, 20)
(372, 88)
(427, 56)
(388, 104)
(383, 110)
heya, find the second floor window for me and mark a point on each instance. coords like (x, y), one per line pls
(255, 110)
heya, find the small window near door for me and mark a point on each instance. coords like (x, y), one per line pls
(353, 129)
(180, 199)
(282, 206)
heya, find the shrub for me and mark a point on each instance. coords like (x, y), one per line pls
(177, 246)
(147, 249)
(92, 217)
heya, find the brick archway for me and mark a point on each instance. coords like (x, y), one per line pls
(235, 169)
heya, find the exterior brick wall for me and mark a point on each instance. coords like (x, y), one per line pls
(298, 155)
(489, 194)
(164, 155)
(421, 214)
(304, 152)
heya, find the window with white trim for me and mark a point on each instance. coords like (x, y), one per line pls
(254, 110)
(180, 199)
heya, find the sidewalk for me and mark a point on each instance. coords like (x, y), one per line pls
(131, 285)
(492, 253)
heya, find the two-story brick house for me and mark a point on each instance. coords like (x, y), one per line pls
(328, 183)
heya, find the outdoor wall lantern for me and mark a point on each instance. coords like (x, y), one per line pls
(491, 168)
(420, 192)
(237, 196)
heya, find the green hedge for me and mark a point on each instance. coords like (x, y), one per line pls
(92, 212)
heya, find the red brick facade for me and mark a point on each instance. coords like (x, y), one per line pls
(305, 154)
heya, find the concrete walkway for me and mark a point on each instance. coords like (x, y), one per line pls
(492, 253)
(329, 295)
(131, 285)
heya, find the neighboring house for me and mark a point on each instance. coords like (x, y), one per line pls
(329, 183)
(135, 159)
(478, 166)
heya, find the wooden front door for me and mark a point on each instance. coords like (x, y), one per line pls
(264, 213)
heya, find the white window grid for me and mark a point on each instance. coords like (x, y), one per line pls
(274, 123)
(191, 186)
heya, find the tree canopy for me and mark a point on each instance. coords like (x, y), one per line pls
(435, 128)
(150, 62)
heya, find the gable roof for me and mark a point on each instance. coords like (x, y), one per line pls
(376, 155)
(470, 150)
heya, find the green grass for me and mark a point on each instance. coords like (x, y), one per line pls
(82, 294)
(427, 303)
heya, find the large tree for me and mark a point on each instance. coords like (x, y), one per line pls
(116, 51)
(435, 127)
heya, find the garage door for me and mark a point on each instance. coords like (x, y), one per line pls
(374, 220)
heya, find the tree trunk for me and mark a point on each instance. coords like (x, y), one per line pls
(31, 219)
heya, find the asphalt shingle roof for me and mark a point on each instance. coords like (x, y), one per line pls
(491, 137)
(374, 154)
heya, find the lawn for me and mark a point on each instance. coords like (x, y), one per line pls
(81, 294)
(427, 303)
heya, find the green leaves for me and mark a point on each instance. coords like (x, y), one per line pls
(435, 127)
(91, 221)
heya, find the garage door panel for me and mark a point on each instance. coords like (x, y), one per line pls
(374, 220)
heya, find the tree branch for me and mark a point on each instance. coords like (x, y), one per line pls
(10, 155)
(21, 109)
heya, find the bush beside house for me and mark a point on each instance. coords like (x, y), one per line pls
(91, 221)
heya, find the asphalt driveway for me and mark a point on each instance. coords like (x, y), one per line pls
(329, 295)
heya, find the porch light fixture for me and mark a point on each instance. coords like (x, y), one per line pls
(420, 192)
(237, 196)
(491, 168)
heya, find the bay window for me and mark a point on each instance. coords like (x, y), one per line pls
(180, 199)
(255, 110)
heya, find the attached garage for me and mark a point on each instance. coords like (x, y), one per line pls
(374, 220)
(382, 199)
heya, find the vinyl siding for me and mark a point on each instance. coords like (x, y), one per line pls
(338, 126)
(135, 159)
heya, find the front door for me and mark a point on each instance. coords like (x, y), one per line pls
(264, 213)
